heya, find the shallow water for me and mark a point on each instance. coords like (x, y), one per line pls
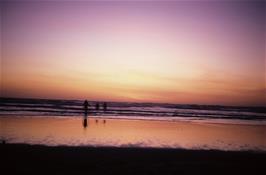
(131, 133)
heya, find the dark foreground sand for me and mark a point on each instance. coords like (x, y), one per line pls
(36, 159)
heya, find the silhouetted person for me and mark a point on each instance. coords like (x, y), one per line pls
(86, 108)
(96, 121)
(97, 106)
(104, 106)
(104, 121)
(86, 105)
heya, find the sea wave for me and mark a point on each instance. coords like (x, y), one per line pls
(49, 107)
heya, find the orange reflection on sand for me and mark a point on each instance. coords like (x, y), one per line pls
(138, 133)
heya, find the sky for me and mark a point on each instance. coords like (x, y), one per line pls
(196, 52)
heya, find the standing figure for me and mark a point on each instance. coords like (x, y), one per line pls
(97, 106)
(104, 106)
(86, 105)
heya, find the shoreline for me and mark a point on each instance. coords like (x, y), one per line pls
(40, 159)
(246, 122)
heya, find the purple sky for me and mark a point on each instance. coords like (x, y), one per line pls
(181, 52)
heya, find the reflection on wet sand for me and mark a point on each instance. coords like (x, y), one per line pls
(126, 133)
(85, 123)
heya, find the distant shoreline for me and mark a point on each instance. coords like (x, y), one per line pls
(31, 159)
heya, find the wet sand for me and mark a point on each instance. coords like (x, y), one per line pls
(36, 159)
(54, 131)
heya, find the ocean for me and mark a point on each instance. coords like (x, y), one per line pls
(128, 110)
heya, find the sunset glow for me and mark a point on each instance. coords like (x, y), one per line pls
(173, 52)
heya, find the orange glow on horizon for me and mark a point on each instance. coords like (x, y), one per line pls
(141, 52)
(136, 87)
